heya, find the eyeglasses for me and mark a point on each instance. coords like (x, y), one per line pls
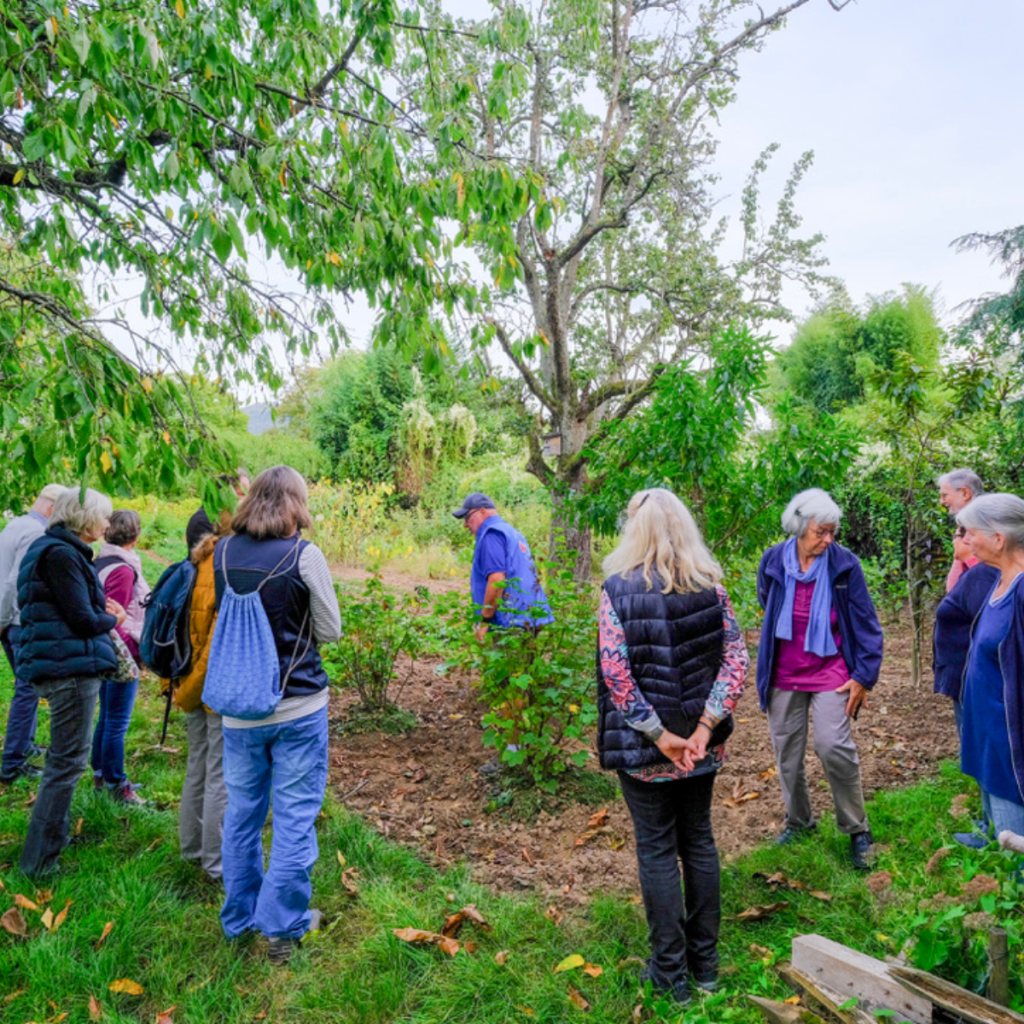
(960, 533)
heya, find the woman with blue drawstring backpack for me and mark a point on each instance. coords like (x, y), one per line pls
(275, 604)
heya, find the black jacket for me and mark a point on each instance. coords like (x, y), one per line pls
(65, 628)
(953, 621)
(676, 646)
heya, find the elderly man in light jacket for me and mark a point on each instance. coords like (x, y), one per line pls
(17, 535)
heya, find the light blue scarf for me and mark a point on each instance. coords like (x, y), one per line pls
(819, 639)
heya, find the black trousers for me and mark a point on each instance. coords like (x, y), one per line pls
(672, 823)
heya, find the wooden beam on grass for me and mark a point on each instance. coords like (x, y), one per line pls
(829, 998)
(850, 973)
(955, 999)
(784, 1013)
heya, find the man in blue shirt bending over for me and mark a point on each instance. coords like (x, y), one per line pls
(503, 581)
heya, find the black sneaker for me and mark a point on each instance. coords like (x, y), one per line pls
(860, 850)
(23, 771)
(677, 990)
(791, 834)
(282, 947)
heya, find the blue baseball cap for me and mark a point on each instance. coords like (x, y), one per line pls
(472, 503)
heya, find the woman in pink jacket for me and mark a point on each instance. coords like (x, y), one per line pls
(120, 571)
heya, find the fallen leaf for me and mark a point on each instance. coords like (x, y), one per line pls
(44, 896)
(586, 837)
(553, 914)
(13, 922)
(578, 999)
(341, 859)
(734, 802)
(11, 996)
(763, 952)
(126, 985)
(164, 1016)
(792, 1001)
(768, 773)
(526, 1010)
(346, 880)
(501, 958)
(598, 820)
(570, 963)
(454, 922)
(47, 919)
(617, 842)
(24, 902)
(79, 825)
(107, 929)
(593, 970)
(759, 913)
(418, 937)
(95, 1008)
(527, 857)
(2, 887)
(819, 895)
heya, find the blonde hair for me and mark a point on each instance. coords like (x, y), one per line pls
(276, 505)
(80, 517)
(660, 533)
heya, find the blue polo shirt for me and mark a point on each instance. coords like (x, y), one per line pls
(502, 548)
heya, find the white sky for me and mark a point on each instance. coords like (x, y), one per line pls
(911, 108)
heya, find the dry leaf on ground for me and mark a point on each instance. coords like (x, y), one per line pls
(593, 970)
(501, 958)
(763, 952)
(341, 858)
(735, 801)
(47, 919)
(780, 880)
(164, 1016)
(24, 902)
(598, 819)
(578, 999)
(107, 929)
(553, 914)
(419, 937)
(78, 826)
(346, 880)
(126, 985)
(13, 922)
(761, 912)
(768, 773)
(792, 1001)
(454, 922)
(11, 996)
(819, 895)
(570, 963)
(95, 1008)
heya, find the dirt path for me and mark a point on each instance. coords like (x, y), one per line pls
(424, 788)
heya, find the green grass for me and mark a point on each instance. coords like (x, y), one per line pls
(166, 934)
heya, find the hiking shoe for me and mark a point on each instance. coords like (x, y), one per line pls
(281, 947)
(790, 834)
(706, 983)
(126, 793)
(23, 771)
(860, 850)
(678, 990)
(972, 840)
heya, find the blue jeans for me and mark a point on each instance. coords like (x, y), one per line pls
(672, 823)
(72, 705)
(290, 761)
(1004, 814)
(116, 703)
(22, 715)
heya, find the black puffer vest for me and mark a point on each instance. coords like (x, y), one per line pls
(285, 600)
(675, 644)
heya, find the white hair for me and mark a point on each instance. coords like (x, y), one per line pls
(995, 513)
(811, 504)
(80, 517)
(51, 492)
(660, 534)
(958, 478)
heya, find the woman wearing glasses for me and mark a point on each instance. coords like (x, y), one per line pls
(820, 651)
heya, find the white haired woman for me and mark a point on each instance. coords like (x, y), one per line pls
(992, 740)
(65, 652)
(820, 652)
(671, 667)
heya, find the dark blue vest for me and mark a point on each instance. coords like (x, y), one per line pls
(285, 600)
(675, 644)
(47, 646)
(523, 601)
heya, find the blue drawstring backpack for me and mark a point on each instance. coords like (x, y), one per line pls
(243, 677)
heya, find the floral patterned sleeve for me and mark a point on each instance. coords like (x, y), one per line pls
(618, 676)
(729, 685)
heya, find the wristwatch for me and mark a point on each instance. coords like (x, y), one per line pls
(656, 733)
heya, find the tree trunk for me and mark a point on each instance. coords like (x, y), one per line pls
(571, 542)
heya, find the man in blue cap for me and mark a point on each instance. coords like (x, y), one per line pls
(503, 581)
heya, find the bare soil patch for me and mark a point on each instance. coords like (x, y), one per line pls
(424, 788)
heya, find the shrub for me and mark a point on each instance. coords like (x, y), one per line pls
(539, 687)
(345, 515)
(377, 626)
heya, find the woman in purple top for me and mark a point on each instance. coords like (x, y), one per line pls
(820, 653)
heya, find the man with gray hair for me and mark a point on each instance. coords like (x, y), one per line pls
(19, 743)
(957, 489)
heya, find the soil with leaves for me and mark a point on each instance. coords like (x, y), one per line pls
(425, 789)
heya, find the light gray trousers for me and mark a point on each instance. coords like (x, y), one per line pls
(789, 713)
(204, 796)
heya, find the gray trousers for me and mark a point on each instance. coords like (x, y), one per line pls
(204, 796)
(788, 716)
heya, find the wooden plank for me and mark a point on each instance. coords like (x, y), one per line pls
(999, 964)
(784, 1013)
(851, 973)
(951, 997)
(826, 996)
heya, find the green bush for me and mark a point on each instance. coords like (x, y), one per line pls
(539, 686)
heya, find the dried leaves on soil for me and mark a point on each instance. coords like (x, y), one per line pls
(418, 937)
(759, 913)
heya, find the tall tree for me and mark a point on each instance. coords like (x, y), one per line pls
(159, 146)
(612, 273)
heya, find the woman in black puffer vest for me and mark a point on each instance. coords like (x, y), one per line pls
(671, 666)
(65, 651)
